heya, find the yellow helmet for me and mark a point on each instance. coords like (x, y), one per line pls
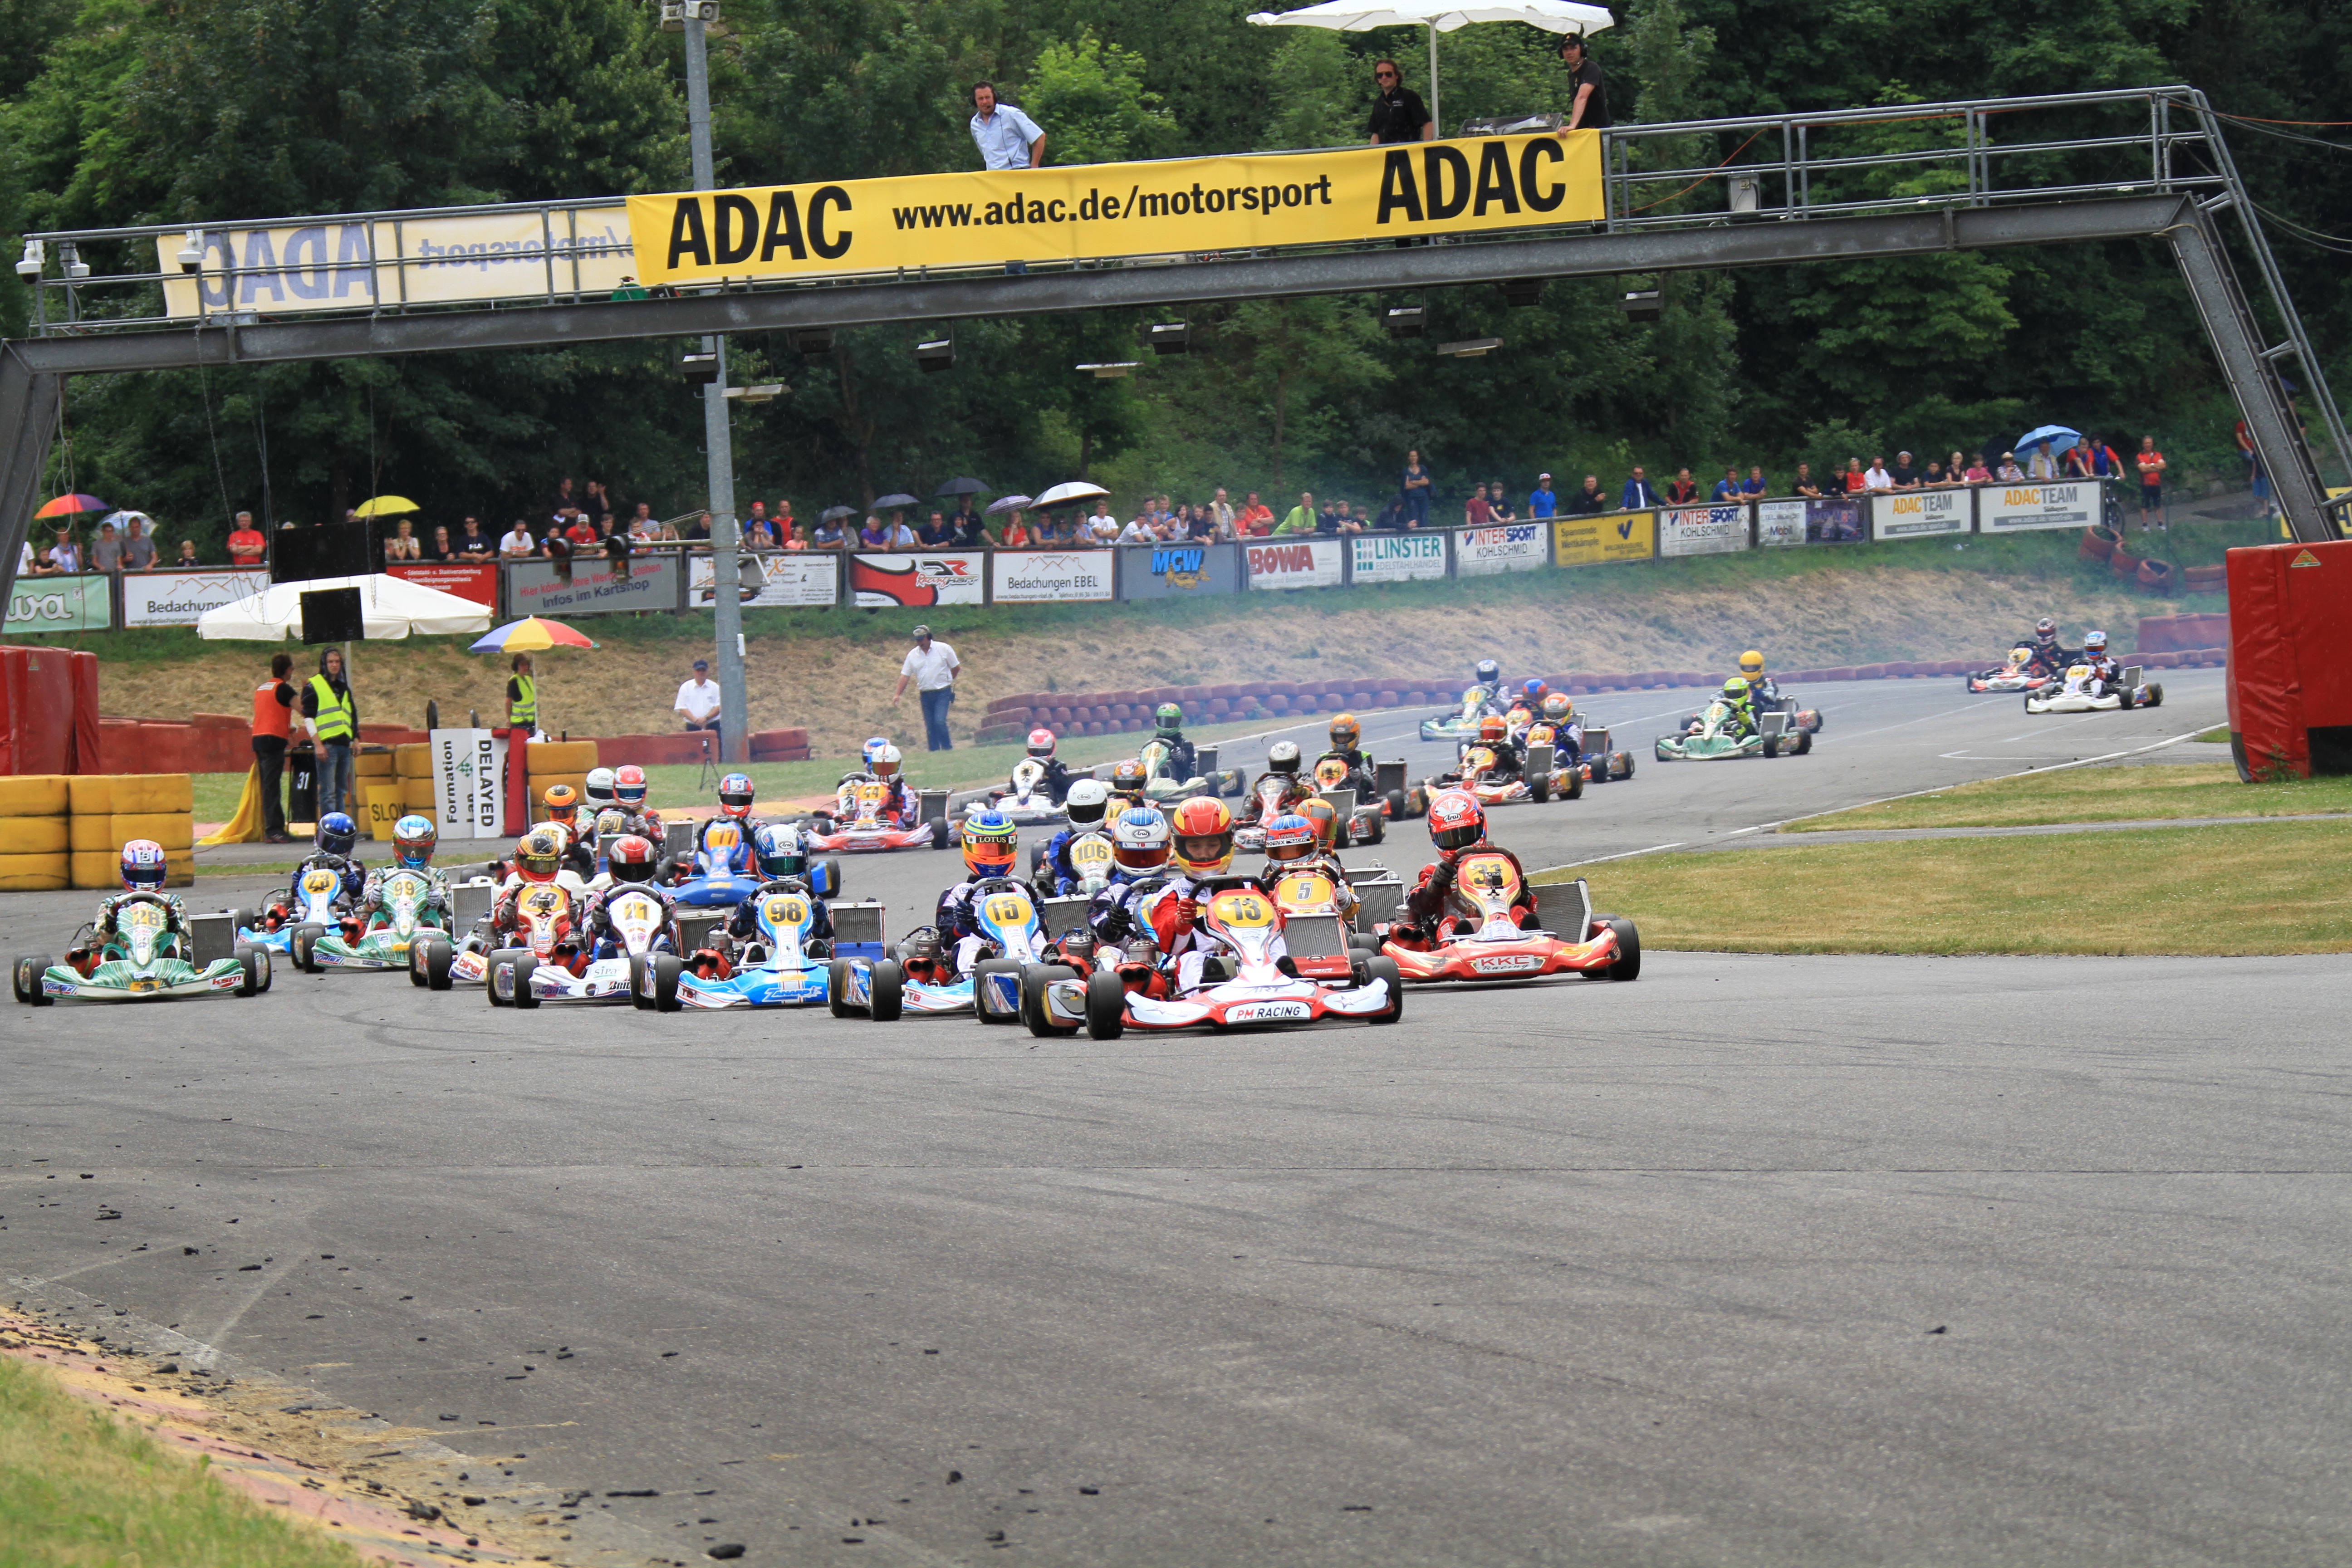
(1345, 731)
(1752, 664)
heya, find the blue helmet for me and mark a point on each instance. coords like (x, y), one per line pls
(337, 834)
(2094, 642)
(1534, 688)
(873, 748)
(412, 838)
(778, 846)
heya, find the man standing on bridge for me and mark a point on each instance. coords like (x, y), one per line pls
(1007, 139)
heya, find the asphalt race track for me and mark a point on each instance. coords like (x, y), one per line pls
(1756, 1260)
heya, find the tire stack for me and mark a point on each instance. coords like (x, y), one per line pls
(109, 810)
(378, 791)
(412, 778)
(552, 763)
(35, 829)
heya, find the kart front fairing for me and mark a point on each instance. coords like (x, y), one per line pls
(2074, 696)
(785, 976)
(864, 824)
(398, 923)
(1720, 736)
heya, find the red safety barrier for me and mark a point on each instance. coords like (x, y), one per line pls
(2290, 671)
(36, 709)
(2178, 633)
(85, 713)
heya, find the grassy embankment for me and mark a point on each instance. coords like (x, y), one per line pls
(78, 1488)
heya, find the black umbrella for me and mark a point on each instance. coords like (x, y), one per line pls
(962, 487)
(896, 499)
(835, 513)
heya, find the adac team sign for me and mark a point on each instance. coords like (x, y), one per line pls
(1086, 210)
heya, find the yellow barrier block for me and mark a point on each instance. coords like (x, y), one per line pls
(172, 829)
(34, 873)
(414, 761)
(32, 834)
(34, 794)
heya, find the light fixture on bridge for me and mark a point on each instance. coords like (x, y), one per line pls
(1470, 348)
(809, 339)
(1642, 305)
(191, 252)
(936, 354)
(1404, 322)
(1111, 370)
(1747, 194)
(1172, 337)
(674, 14)
(1519, 292)
(699, 367)
(28, 266)
(767, 392)
(76, 268)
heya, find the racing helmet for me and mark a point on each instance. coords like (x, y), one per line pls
(629, 786)
(1322, 816)
(1168, 718)
(144, 868)
(1559, 708)
(777, 846)
(1202, 835)
(2045, 630)
(989, 840)
(1087, 804)
(2094, 642)
(1736, 689)
(412, 839)
(872, 749)
(1041, 744)
(1289, 837)
(599, 788)
(1347, 732)
(1128, 777)
(540, 855)
(631, 859)
(1456, 820)
(1489, 673)
(563, 801)
(1138, 841)
(884, 764)
(1492, 728)
(338, 833)
(2021, 656)
(1282, 757)
(735, 794)
(1752, 664)
(1534, 689)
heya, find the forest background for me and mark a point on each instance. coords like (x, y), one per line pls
(119, 112)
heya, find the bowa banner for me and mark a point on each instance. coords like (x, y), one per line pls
(1086, 210)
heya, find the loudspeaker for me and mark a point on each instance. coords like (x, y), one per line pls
(333, 615)
(331, 549)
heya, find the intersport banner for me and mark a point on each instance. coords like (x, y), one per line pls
(1703, 530)
(1088, 210)
(177, 598)
(1294, 563)
(1504, 547)
(1050, 576)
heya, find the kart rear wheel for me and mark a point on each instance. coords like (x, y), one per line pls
(639, 996)
(1575, 789)
(1804, 741)
(2155, 698)
(1398, 808)
(941, 834)
(261, 956)
(438, 956)
(836, 989)
(1772, 745)
(1628, 964)
(1106, 1005)
(887, 991)
(25, 978)
(524, 996)
(1621, 765)
(239, 919)
(255, 966)
(299, 947)
(1380, 831)
(1383, 968)
(1034, 981)
(980, 989)
(1358, 941)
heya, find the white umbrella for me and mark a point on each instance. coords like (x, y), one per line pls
(1439, 16)
(392, 608)
(1074, 490)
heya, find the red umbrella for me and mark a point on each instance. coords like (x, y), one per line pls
(66, 506)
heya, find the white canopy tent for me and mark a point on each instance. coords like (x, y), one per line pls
(390, 608)
(1439, 16)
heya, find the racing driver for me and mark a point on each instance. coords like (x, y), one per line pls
(1200, 850)
(537, 859)
(628, 867)
(414, 839)
(1168, 725)
(1281, 762)
(143, 869)
(784, 868)
(989, 841)
(1087, 808)
(1055, 780)
(1457, 824)
(338, 837)
(1347, 745)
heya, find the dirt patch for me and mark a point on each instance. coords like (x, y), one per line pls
(838, 685)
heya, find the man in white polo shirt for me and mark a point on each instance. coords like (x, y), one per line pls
(697, 702)
(932, 666)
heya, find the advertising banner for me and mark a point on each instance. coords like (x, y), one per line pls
(39, 605)
(1294, 563)
(590, 587)
(1840, 520)
(1505, 547)
(468, 767)
(465, 579)
(1612, 536)
(2008, 508)
(177, 598)
(1397, 557)
(1916, 512)
(1703, 530)
(787, 578)
(917, 579)
(1779, 523)
(1069, 212)
(1179, 570)
(324, 264)
(1050, 576)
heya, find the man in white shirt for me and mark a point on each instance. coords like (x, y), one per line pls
(1007, 139)
(1221, 512)
(697, 702)
(517, 544)
(1138, 531)
(1102, 525)
(932, 666)
(1878, 478)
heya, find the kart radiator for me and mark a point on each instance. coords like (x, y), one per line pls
(1772, 723)
(1389, 775)
(857, 931)
(1568, 909)
(1380, 901)
(2131, 678)
(678, 839)
(211, 937)
(1314, 936)
(694, 930)
(932, 805)
(1343, 801)
(1539, 760)
(470, 901)
(1061, 916)
(1204, 760)
(1597, 740)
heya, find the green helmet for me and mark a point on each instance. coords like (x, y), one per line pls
(1736, 689)
(1169, 717)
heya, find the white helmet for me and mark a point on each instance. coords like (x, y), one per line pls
(1041, 742)
(1087, 801)
(599, 788)
(884, 762)
(1282, 757)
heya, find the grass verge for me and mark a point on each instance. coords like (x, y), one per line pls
(2259, 887)
(2217, 735)
(78, 1488)
(2094, 795)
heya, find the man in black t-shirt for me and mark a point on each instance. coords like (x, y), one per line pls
(1398, 114)
(1591, 110)
(1904, 476)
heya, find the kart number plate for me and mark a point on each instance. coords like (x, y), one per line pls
(1507, 963)
(1267, 1012)
(785, 910)
(1091, 851)
(1007, 909)
(1243, 909)
(320, 881)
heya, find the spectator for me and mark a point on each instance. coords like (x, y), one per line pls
(2009, 473)
(1806, 486)
(1415, 488)
(789, 535)
(1854, 482)
(598, 501)
(783, 514)
(187, 554)
(273, 716)
(874, 536)
(1349, 521)
(332, 714)
(1591, 110)
(564, 496)
(66, 553)
(971, 530)
(2105, 463)
(1015, 535)
(1498, 505)
(698, 704)
(1206, 528)
(1902, 476)
(757, 518)
(138, 547)
(641, 530)
(517, 544)
(1727, 489)
(1398, 114)
(1877, 478)
(579, 533)
(1587, 500)
(1254, 520)
(1934, 478)
(1637, 493)
(759, 531)
(106, 550)
(1300, 519)
(1976, 474)
(2151, 463)
(474, 546)
(1755, 485)
(1475, 513)
(1955, 469)
(932, 668)
(1221, 513)
(247, 543)
(404, 545)
(1541, 502)
(440, 548)
(698, 530)
(2042, 465)
(1007, 139)
(1101, 525)
(1684, 491)
(2076, 462)
(827, 534)
(1138, 529)
(522, 697)
(669, 534)
(644, 524)
(42, 563)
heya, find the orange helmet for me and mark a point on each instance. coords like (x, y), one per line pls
(540, 855)
(1203, 833)
(1492, 728)
(1324, 817)
(562, 800)
(1456, 820)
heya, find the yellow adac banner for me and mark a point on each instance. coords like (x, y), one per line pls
(1090, 210)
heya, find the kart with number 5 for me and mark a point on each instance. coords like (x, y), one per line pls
(2076, 696)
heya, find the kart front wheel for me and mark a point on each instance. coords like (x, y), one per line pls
(665, 969)
(836, 989)
(941, 836)
(438, 956)
(255, 965)
(1106, 1005)
(1575, 789)
(1539, 788)
(1380, 831)
(305, 939)
(1628, 962)
(524, 966)
(887, 991)
(1383, 968)
(1034, 981)
(980, 989)
(1398, 808)
(25, 978)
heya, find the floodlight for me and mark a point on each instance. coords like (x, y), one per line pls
(76, 268)
(1111, 370)
(809, 339)
(191, 252)
(28, 266)
(1470, 348)
(935, 353)
(767, 392)
(1404, 322)
(1172, 337)
(1642, 305)
(700, 368)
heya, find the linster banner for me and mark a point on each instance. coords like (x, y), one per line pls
(2007, 508)
(1612, 536)
(1503, 547)
(1396, 557)
(1914, 512)
(1086, 210)
(1294, 563)
(1049, 576)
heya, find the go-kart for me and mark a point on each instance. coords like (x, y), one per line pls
(1272, 795)
(310, 901)
(1721, 735)
(1022, 799)
(1160, 790)
(717, 871)
(403, 936)
(1320, 944)
(773, 968)
(1793, 717)
(551, 962)
(2022, 672)
(1245, 985)
(1475, 773)
(2075, 695)
(860, 824)
(1012, 936)
(143, 961)
(1090, 858)
(1488, 944)
(1595, 762)
(1462, 722)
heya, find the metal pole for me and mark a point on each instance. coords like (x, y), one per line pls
(726, 600)
(1436, 123)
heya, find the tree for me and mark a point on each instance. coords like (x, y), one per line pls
(1092, 97)
(1309, 349)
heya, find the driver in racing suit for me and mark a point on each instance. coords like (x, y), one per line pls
(784, 868)
(735, 796)
(2106, 675)
(1567, 729)
(567, 811)
(1489, 675)
(1087, 808)
(1202, 852)
(900, 808)
(1139, 845)
(1346, 746)
(629, 799)
(1168, 726)
(632, 864)
(414, 838)
(1736, 697)
(144, 869)
(1457, 824)
(1292, 843)
(1056, 778)
(989, 841)
(1493, 735)
(338, 836)
(1763, 687)
(865, 755)
(2050, 655)
(1127, 781)
(1281, 762)
(537, 861)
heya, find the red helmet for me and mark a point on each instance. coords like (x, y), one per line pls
(735, 794)
(1492, 728)
(1203, 833)
(631, 860)
(1456, 820)
(629, 785)
(1041, 744)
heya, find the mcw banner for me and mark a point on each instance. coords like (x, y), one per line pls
(1086, 210)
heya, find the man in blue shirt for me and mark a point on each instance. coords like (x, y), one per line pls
(1541, 502)
(1727, 489)
(1638, 493)
(1007, 139)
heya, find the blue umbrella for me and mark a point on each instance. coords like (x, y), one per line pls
(2053, 436)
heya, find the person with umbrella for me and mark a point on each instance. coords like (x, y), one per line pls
(830, 532)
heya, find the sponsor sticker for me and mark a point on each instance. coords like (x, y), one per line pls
(1267, 1012)
(1507, 963)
